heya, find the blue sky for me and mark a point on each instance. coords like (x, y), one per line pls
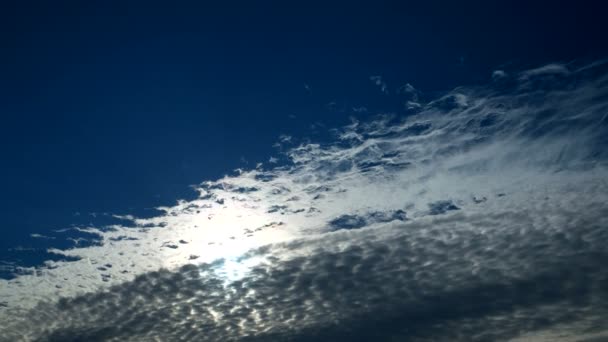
(111, 110)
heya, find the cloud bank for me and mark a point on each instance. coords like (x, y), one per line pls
(480, 216)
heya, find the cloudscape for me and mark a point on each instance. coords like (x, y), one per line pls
(477, 213)
(481, 216)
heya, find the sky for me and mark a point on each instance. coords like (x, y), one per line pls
(381, 171)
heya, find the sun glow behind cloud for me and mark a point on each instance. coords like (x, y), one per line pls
(221, 232)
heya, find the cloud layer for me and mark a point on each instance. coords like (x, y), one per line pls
(479, 216)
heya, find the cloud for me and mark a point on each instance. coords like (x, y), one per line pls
(307, 88)
(549, 69)
(498, 74)
(40, 236)
(409, 90)
(410, 105)
(284, 138)
(377, 80)
(413, 96)
(459, 277)
(441, 207)
(481, 217)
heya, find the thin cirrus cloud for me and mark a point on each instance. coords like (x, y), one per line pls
(480, 217)
(549, 69)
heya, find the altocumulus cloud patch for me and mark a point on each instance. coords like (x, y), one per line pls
(481, 216)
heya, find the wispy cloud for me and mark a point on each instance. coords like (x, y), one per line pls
(40, 236)
(378, 81)
(284, 138)
(498, 74)
(549, 69)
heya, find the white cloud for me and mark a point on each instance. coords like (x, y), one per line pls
(412, 105)
(549, 69)
(40, 236)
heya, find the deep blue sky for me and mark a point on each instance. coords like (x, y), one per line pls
(114, 107)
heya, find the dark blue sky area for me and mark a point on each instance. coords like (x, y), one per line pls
(114, 107)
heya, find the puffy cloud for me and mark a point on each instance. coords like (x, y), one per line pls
(456, 277)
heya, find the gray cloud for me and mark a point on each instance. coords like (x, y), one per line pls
(469, 278)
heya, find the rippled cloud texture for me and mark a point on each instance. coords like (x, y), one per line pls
(481, 215)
